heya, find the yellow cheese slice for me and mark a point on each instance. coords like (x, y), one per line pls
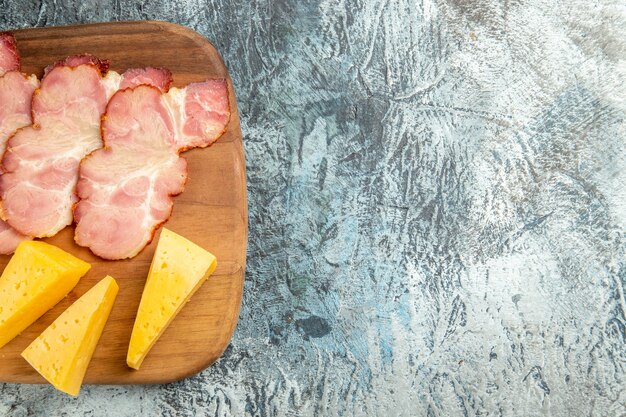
(36, 278)
(63, 351)
(178, 269)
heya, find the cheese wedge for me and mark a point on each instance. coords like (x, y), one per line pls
(36, 278)
(63, 351)
(178, 269)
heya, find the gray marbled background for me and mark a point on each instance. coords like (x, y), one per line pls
(437, 209)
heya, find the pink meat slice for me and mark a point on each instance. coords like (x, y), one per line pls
(16, 91)
(126, 188)
(41, 161)
(9, 57)
(9, 239)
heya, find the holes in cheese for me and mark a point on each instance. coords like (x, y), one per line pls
(62, 353)
(36, 278)
(178, 269)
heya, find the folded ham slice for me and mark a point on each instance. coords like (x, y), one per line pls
(16, 92)
(126, 188)
(41, 161)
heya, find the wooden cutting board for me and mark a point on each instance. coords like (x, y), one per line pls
(212, 212)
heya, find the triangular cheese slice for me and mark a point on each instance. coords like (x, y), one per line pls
(178, 269)
(36, 278)
(63, 351)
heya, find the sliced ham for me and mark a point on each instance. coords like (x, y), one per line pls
(16, 92)
(9, 57)
(41, 161)
(9, 239)
(126, 188)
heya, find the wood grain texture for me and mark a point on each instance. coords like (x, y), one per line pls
(212, 212)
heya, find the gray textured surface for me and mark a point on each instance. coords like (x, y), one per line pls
(437, 209)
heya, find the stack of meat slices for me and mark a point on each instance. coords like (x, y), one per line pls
(16, 91)
(97, 147)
